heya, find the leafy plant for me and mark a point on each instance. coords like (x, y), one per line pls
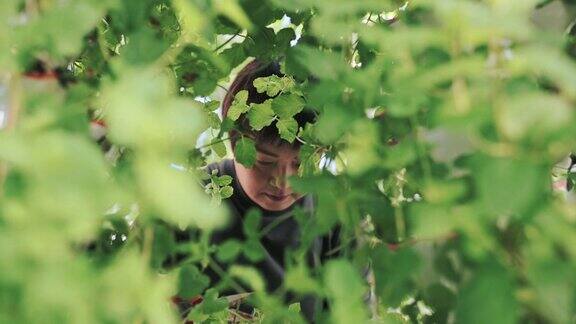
(439, 125)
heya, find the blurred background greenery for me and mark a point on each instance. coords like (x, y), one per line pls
(441, 131)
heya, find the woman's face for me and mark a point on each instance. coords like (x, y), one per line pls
(266, 182)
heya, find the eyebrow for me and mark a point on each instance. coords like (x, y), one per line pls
(261, 150)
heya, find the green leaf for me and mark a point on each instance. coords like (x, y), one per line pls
(144, 47)
(60, 28)
(212, 303)
(192, 19)
(223, 180)
(162, 245)
(431, 221)
(554, 296)
(249, 276)
(219, 147)
(309, 159)
(488, 297)
(273, 84)
(332, 123)
(191, 281)
(287, 105)
(508, 185)
(534, 116)
(173, 195)
(345, 290)
(229, 250)
(406, 101)
(266, 45)
(287, 128)
(253, 250)
(299, 280)
(361, 150)
(395, 272)
(199, 69)
(234, 55)
(227, 125)
(226, 192)
(213, 120)
(444, 192)
(323, 64)
(295, 307)
(232, 10)
(245, 152)
(251, 223)
(134, 119)
(400, 155)
(261, 115)
(212, 105)
(238, 106)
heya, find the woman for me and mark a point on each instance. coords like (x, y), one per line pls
(264, 187)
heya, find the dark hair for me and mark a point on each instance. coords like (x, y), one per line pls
(244, 81)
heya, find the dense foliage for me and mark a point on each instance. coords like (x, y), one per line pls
(440, 123)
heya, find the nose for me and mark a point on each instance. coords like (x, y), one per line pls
(280, 177)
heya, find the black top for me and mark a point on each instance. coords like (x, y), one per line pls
(285, 235)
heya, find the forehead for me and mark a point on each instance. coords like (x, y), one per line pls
(277, 150)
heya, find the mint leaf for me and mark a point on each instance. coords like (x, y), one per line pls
(261, 115)
(253, 250)
(273, 84)
(249, 276)
(191, 281)
(223, 180)
(245, 152)
(218, 147)
(251, 223)
(226, 192)
(294, 307)
(474, 306)
(228, 250)
(287, 128)
(213, 120)
(287, 105)
(345, 297)
(212, 105)
(239, 105)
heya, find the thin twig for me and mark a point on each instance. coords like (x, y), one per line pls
(225, 275)
(226, 42)
(222, 87)
(277, 221)
(212, 143)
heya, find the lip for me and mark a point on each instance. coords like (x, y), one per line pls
(276, 198)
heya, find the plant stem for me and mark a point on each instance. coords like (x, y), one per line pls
(212, 143)
(225, 276)
(226, 42)
(222, 87)
(277, 221)
(420, 150)
(400, 224)
(147, 244)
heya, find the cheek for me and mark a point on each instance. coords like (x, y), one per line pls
(258, 180)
